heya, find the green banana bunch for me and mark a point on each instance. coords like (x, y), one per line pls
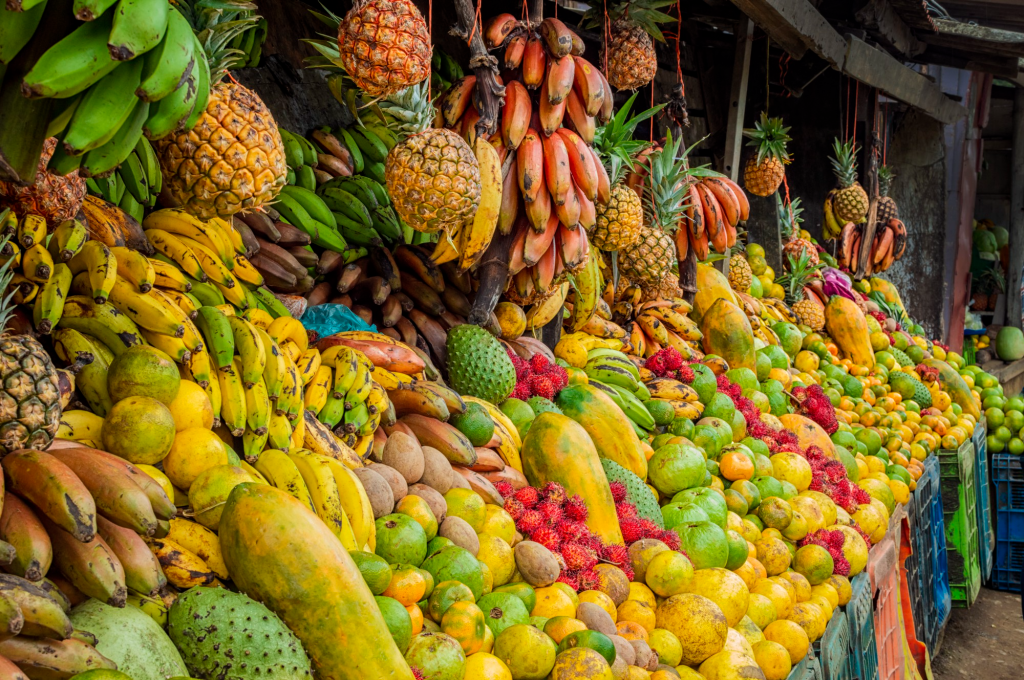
(135, 184)
(634, 409)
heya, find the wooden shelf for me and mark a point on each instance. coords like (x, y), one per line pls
(1009, 375)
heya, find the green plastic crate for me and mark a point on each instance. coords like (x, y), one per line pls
(959, 510)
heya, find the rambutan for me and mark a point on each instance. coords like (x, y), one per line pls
(529, 521)
(685, 374)
(632, 530)
(538, 362)
(616, 554)
(860, 495)
(548, 538)
(551, 511)
(576, 509)
(625, 510)
(572, 531)
(628, 571)
(558, 375)
(578, 556)
(840, 565)
(554, 492)
(669, 538)
(504, 488)
(619, 491)
(650, 529)
(542, 386)
(589, 580)
(569, 578)
(528, 496)
(522, 390)
(416, 673)
(514, 508)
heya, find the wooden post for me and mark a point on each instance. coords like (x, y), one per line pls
(1013, 279)
(872, 141)
(737, 105)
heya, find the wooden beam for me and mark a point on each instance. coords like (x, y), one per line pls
(796, 26)
(738, 98)
(976, 32)
(1016, 262)
(879, 69)
(879, 16)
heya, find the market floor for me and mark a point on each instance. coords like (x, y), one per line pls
(984, 641)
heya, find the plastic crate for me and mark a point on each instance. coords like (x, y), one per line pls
(863, 659)
(986, 530)
(833, 648)
(959, 508)
(1008, 479)
(927, 575)
(883, 567)
(917, 570)
(807, 669)
(942, 600)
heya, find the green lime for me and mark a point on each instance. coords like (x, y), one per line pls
(705, 383)
(1015, 446)
(475, 423)
(397, 619)
(374, 569)
(681, 427)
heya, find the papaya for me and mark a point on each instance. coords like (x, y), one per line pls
(558, 449)
(808, 433)
(609, 428)
(955, 386)
(846, 324)
(728, 334)
(281, 554)
(712, 285)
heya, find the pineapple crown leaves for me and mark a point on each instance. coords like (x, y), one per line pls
(329, 58)
(844, 162)
(642, 13)
(789, 216)
(885, 177)
(769, 136)
(666, 193)
(614, 140)
(800, 272)
(217, 23)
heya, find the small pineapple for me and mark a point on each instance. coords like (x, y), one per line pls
(632, 61)
(432, 174)
(794, 243)
(801, 271)
(620, 219)
(666, 290)
(765, 169)
(30, 405)
(740, 272)
(887, 209)
(51, 196)
(384, 46)
(850, 201)
(650, 259)
(233, 159)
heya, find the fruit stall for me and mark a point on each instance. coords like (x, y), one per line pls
(406, 340)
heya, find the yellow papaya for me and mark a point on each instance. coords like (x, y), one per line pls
(728, 334)
(281, 554)
(558, 449)
(608, 427)
(846, 324)
(955, 387)
(712, 285)
(808, 433)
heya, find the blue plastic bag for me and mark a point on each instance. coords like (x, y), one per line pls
(329, 319)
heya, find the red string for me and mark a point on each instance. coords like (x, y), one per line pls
(607, 34)
(476, 21)
(856, 101)
(430, 34)
(679, 31)
(846, 133)
(526, 13)
(789, 203)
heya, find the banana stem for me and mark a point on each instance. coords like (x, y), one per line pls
(488, 95)
(493, 278)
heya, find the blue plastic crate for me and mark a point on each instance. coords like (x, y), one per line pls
(833, 649)
(942, 601)
(927, 571)
(1008, 479)
(918, 562)
(1008, 565)
(807, 669)
(860, 612)
(983, 499)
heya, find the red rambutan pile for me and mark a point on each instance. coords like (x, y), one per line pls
(616, 554)
(670, 538)
(815, 404)
(548, 538)
(528, 496)
(576, 509)
(537, 377)
(554, 492)
(578, 556)
(569, 578)
(504, 488)
(632, 530)
(514, 508)
(529, 521)
(589, 580)
(551, 511)
(669, 363)
(619, 491)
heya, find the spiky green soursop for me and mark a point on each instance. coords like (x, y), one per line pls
(222, 634)
(901, 357)
(637, 492)
(478, 364)
(910, 387)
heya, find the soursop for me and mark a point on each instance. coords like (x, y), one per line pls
(910, 387)
(222, 634)
(478, 364)
(901, 357)
(637, 492)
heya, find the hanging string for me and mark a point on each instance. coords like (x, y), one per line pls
(525, 16)
(476, 21)
(679, 32)
(430, 35)
(607, 34)
(783, 72)
(856, 101)
(846, 132)
(788, 202)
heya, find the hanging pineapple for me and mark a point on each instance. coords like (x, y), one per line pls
(55, 197)
(887, 209)
(806, 305)
(620, 218)
(432, 174)
(795, 240)
(384, 46)
(849, 201)
(766, 168)
(233, 159)
(651, 258)
(632, 61)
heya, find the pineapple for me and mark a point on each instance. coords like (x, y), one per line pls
(52, 196)
(233, 159)
(666, 290)
(850, 201)
(740, 273)
(384, 46)
(887, 209)
(30, 400)
(432, 174)
(632, 61)
(794, 243)
(801, 271)
(652, 257)
(620, 219)
(765, 169)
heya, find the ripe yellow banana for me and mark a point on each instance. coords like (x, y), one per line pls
(449, 246)
(232, 410)
(249, 347)
(37, 264)
(315, 395)
(191, 336)
(355, 502)
(184, 302)
(389, 380)
(180, 223)
(200, 541)
(79, 425)
(258, 317)
(169, 277)
(287, 328)
(147, 310)
(173, 347)
(479, 233)
(31, 231)
(543, 312)
(672, 390)
(274, 369)
(323, 490)
(282, 473)
(200, 368)
(279, 432)
(308, 364)
(183, 568)
(98, 262)
(171, 247)
(134, 266)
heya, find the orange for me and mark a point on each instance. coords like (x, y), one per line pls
(407, 586)
(631, 630)
(791, 636)
(416, 615)
(465, 622)
(736, 465)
